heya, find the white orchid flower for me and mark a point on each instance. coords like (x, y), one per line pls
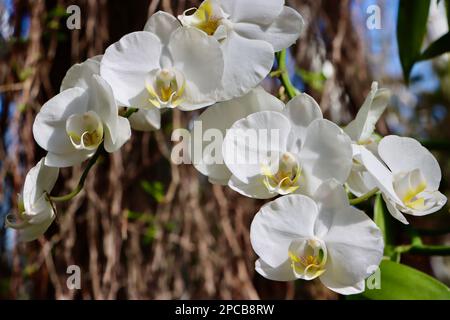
(80, 75)
(250, 31)
(297, 237)
(271, 153)
(361, 132)
(165, 66)
(36, 211)
(145, 120)
(410, 182)
(361, 129)
(73, 124)
(221, 117)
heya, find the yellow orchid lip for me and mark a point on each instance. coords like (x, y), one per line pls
(208, 17)
(412, 198)
(286, 179)
(310, 261)
(85, 130)
(411, 187)
(166, 89)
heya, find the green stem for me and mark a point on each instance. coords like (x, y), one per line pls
(416, 240)
(83, 177)
(364, 197)
(129, 112)
(284, 75)
(428, 250)
(92, 161)
(417, 246)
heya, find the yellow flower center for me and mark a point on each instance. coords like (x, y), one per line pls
(166, 89)
(286, 179)
(207, 17)
(85, 131)
(308, 258)
(410, 188)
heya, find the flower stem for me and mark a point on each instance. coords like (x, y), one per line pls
(129, 112)
(92, 161)
(284, 74)
(428, 250)
(83, 177)
(364, 197)
(417, 246)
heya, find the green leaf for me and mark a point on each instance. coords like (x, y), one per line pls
(438, 47)
(315, 80)
(58, 12)
(150, 234)
(411, 29)
(170, 226)
(400, 282)
(154, 189)
(22, 107)
(25, 74)
(140, 216)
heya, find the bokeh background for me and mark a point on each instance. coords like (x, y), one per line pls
(147, 229)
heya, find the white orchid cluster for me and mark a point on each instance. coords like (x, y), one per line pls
(312, 230)
(216, 56)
